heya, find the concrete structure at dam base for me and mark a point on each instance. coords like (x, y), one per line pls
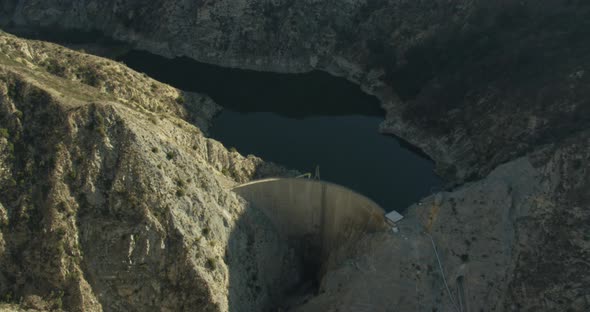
(328, 217)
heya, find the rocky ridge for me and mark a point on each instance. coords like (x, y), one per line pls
(111, 200)
(495, 92)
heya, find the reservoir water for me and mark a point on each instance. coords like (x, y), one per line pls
(302, 121)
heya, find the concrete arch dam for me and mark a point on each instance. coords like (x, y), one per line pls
(327, 218)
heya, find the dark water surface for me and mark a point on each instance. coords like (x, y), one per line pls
(302, 121)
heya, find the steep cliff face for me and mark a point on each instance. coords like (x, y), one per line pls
(475, 84)
(514, 241)
(111, 200)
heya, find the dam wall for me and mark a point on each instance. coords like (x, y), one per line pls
(328, 217)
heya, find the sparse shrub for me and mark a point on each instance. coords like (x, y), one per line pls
(180, 99)
(102, 131)
(180, 192)
(4, 223)
(99, 119)
(61, 249)
(155, 149)
(233, 150)
(62, 206)
(61, 232)
(58, 301)
(99, 125)
(90, 76)
(4, 133)
(72, 175)
(206, 231)
(211, 263)
(55, 68)
(18, 114)
(225, 172)
(465, 258)
(15, 89)
(170, 155)
(8, 297)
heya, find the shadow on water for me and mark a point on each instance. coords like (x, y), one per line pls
(293, 95)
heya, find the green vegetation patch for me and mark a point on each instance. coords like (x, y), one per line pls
(4, 133)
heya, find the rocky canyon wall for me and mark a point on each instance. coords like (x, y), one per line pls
(496, 92)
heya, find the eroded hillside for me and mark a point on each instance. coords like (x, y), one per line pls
(111, 200)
